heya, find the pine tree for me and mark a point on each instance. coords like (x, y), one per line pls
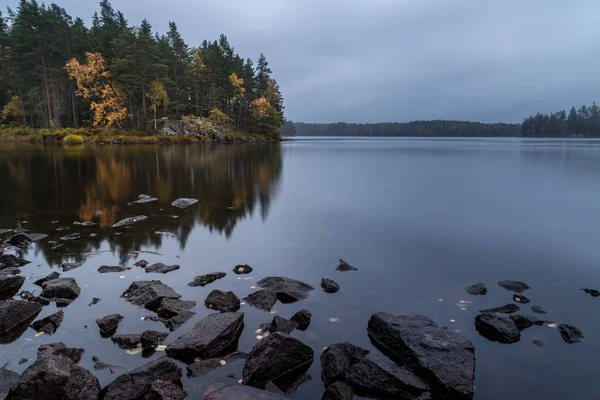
(573, 122)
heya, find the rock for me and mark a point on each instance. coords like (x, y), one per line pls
(55, 377)
(592, 292)
(10, 271)
(275, 356)
(171, 307)
(375, 375)
(64, 288)
(287, 290)
(344, 266)
(204, 280)
(95, 300)
(329, 285)
(538, 343)
(50, 277)
(144, 198)
(10, 261)
(7, 379)
(108, 268)
(23, 361)
(59, 349)
(15, 315)
(302, 317)
(477, 289)
(86, 224)
(498, 328)
(211, 336)
(514, 286)
(10, 284)
(525, 321)
(109, 323)
(19, 240)
(445, 359)
(338, 391)
(337, 359)
(570, 334)
(62, 302)
(280, 324)
(161, 390)
(519, 298)
(242, 269)
(505, 309)
(183, 202)
(149, 294)
(162, 268)
(63, 228)
(40, 300)
(127, 341)
(222, 301)
(141, 264)
(205, 366)
(241, 392)
(151, 339)
(49, 324)
(262, 299)
(538, 310)
(68, 266)
(129, 221)
(137, 384)
(71, 237)
(174, 323)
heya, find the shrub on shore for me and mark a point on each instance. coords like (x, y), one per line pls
(73, 139)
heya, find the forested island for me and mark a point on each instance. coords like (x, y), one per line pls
(117, 79)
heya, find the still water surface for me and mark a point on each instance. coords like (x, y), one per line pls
(421, 219)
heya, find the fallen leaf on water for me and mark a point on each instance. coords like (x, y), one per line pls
(273, 312)
(134, 351)
(259, 337)
(440, 299)
(463, 308)
(40, 333)
(333, 319)
(160, 347)
(138, 345)
(223, 362)
(258, 330)
(242, 303)
(248, 278)
(252, 287)
(240, 381)
(452, 320)
(122, 276)
(552, 325)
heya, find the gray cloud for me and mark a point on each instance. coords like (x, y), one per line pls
(400, 60)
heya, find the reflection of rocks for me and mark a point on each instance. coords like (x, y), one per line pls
(287, 290)
(498, 328)
(570, 334)
(538, 343)
(204, 280)
(71, 237)
(505, 309)
(477, 289)
(262, 299)
(525, 321)
(514, 286)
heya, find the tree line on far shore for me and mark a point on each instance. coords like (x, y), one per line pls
(584, 122)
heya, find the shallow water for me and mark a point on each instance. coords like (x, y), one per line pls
(421, 219)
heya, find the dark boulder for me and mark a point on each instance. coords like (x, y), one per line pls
(592, 292)
(137, 384)
(570, 334)
(50, 277)
(378, 376)
(498, 328)
(141, 264)
(280, 324)
(127, 341)
(505, 309)
(174, 323)
(19, 240)
(144, 198)
(183, 202)
(514, 286)
(171, 307)
(63, 288)
(262, 299)
(71, 237)
(519, 298)
(302, 318)
(337, 359)
(477, 289)
(161, 390)
(60, 350)
(49, 324)
(241, 392)
(162, 268)
(10, 261)
(112, 268)
(445, 359)
(329, 285)
(538, 310)
(204, 280)
(15, 315)
(149, 294)
(344, 266)
(222, 301)
(273, 357)
(205, 366)
(151, 339)
(10, 284)
(524, 321)
(109, 323)
(213, 335)
(129, 221)
(338, 391)
(287, 290)
(242, 269)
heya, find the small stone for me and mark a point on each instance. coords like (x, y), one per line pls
(127, 341)
(19, 240)
(144, 198)
(242, 269)
(262, 299)
(592, 292)
(477, 289)
(109, 268)
(329, 285)
(63, 288)
(222, 301)
(95, 300)
(505, 309)
(62, 302)
(109, 323)
(183, 202)
(11, 261)
(344, 266)
(129, 221)
(519, 298)
(71, 237)
(570, 334)
(174, 323)
(68, 266)
(302, 318)
(338, 391)
(538, 343)
(287, 290)
(337, 359)
(162, 268)
(23, 361)
(10, 284)
(514, 286)
(497, 328)
(149, 294)
(538, 310)
(141, 264)
(49, 324)
(525, 321)
(204, 280)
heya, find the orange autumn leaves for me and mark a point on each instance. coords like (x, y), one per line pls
(94, 83)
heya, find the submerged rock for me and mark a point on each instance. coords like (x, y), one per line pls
(514, 286)
(49, 324)
(275, 356)
(262, 299)
(40, 300)
(570, 334)
(60, 288)
(222, 301)
(592, 292)
(94, 301)
(477, 289)
(171, 307)
(10, 261)
(280, 324)
(144, 198)
(71, 237)
(7, 379)
(445, 359)
(183, 202)
(302, 317)
(525, 321)
(242, 269)
(211, 336)
(149, 294)
(19, 240)
(519, 298)
(204, 280)
(337, 359)
(112, 268)
(129, 221)
(50, 277)
(59, 349)
(141, 264)
(109, 323)
(239, 392)
(10, 271)
(287, 290)
(68, 266)
(162, 268)
(329, 285)
(138, 383)
(15, 315)
(205, 366)
(127, 341)
(538, 343)
(10, 284)
(538, 310)
(344, 266)
(498, 328)
(505, 309)
(338, 391)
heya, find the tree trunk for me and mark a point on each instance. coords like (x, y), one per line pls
(144, 106)
(46, 87)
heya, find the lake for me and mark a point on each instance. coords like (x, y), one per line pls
(420, 219)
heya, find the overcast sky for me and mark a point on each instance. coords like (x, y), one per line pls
(400, 60)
